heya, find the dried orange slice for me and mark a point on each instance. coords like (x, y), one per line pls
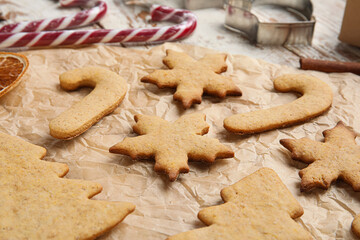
(12, 68)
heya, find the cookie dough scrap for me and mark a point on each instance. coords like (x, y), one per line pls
(36, 203)
(355, 227)
(191, 77)
(257, 207)
(172, 143)
(109, 91)
(315, 100)
(337, 157)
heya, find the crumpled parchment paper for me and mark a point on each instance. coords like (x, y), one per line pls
(164, 208)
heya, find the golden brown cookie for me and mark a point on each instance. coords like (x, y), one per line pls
(109, 91)
(337, 157)
(316, 99)
(257, 207)
(36, 203)
(355, 226)
(191, 78)
(172, 143)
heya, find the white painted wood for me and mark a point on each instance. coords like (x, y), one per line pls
(210, 31)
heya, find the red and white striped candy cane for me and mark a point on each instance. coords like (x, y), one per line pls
(185, 19)
(77, 20)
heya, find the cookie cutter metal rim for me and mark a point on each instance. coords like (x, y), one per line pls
(239, 18)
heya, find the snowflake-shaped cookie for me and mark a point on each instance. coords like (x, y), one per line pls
(337, 157)
(172, 143)
(192, 78)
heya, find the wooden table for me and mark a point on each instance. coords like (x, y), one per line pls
(210, 31)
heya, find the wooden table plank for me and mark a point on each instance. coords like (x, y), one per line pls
(24, 10)
(210, 31)
(325, 42)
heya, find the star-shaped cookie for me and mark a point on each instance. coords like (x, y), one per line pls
(337, 157)
(191, 77)
(172, 143)
(257, 207)
(36, 203)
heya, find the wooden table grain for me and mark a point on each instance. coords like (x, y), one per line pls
(210, 31)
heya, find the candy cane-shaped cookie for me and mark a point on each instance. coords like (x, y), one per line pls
(316, 99)
(77, 20)
(109, 91)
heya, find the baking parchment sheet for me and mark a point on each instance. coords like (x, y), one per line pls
(165, 208)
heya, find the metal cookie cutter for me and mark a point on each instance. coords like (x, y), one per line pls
(240, 19)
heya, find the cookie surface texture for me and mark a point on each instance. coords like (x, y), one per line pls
(109, 91)
(316, 99)
(337, 157)
(355, 227)
(191, 77)
(257, 207)
(36, 203)
(172, 143)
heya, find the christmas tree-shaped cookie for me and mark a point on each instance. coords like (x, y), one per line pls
(257, 207)
(337, 157)
(36, 203)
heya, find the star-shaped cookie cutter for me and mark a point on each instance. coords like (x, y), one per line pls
(239, 18)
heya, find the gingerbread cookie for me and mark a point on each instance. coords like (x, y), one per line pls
(109, 91)
(316, 99)
(257, 207)
(337, 157)
(35, 203)
(172, 143)
(355, 226)
(191, 78)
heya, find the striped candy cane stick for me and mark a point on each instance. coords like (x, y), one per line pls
(185, 19)
(77, 20)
